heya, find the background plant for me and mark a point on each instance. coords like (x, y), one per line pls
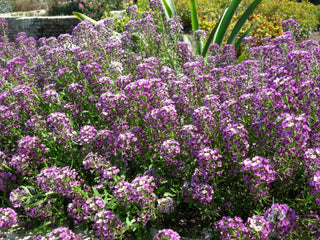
(5, 7)
(269, 14)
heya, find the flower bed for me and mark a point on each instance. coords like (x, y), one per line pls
(118, 133)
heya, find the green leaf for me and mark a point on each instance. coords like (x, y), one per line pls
(195, 24)
(242, 57)
(130, 224)
(82, 17)
(96, 193)
(37, 203)
(237, 45)
(194, 16)
(242, 21)
(211, 36)
(58, 80)
(187, 39)
(168, 10)
(225, 22)
(167, 194)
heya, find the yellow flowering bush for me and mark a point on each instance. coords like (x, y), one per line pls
(270, 15)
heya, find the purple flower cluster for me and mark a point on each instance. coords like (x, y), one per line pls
(231, 228)
(62, 233)
(278, 221)
(140, 191)
(60, 180)
(259, 227)
(102, 119)
(30, 156)
(208, 163)
(201, 193)
(235, 136)
(167, 234)
(8, 218)
(93, 205)
(312, 170)
(259, 174)
(166, 205)
(282, 219)
(7, 179)
(98, 164)
(107, 225)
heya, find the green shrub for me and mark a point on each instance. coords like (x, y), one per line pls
(5, 6)
(56, 8)
(274, 12)
(270, 14)
(25, 5)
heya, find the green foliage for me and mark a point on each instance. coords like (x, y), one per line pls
(5, 6)
(219, 31)
(56, 8)
(269, 14)
(24, 5)
(92, 8)
(274, 12)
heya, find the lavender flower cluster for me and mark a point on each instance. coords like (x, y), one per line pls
(278, 221)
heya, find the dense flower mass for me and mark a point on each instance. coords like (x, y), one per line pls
(282, 219)
(62, 233)
(107, 225)
(117, 132)
(167, 234)
(8, 218)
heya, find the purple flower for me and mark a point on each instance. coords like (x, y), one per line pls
(132, 12)
(258, 174)
(63, 181)
(200, 35)
(87, 135)
(62, 233)
(167, 234)
(156, 5)
(258, 227)
(231, 228)
(93, 205)
(282, 219)
(75, 209)
(166, 205)
(8, 218)
(107, 225)
(201, 193)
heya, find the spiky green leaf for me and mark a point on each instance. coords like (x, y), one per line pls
(82, 17)
(244, 17)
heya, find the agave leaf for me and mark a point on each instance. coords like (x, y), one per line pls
(172, 6)
(195, 23)
(212, 35)
(237, 44)
(194, 15)
(225, 22)
(244, 17)
(187, 39)
(169, 8)
(82, 17)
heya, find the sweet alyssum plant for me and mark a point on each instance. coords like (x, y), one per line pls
(122, 133)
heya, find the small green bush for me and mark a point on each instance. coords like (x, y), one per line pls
(270, 15)
(24, 5)
(5, 6)
(56, 8)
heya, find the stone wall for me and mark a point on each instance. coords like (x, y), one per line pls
(38, 27)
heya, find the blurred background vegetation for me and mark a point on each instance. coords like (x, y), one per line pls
(270, 13)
